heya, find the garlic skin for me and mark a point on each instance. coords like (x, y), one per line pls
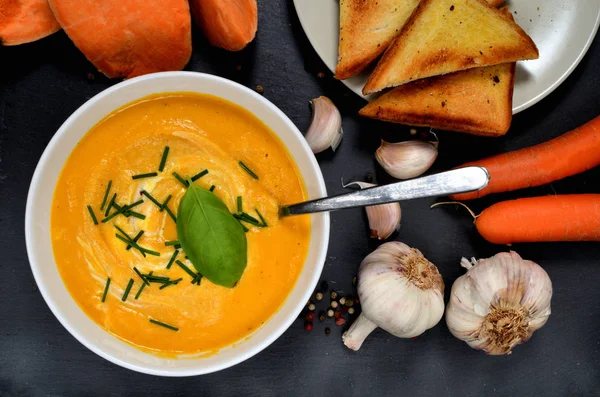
(409, 159)
(500, 302)
(400, 291)
(384, 219)
(325, 130)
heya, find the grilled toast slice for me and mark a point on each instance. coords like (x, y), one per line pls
(444, 36)
(477, 101)
(367, 27)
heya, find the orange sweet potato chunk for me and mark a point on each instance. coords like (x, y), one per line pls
(24, 21)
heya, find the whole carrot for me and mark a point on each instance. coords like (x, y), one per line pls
(573, 217)
(569, 154)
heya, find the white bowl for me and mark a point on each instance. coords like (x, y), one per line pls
(39, 245)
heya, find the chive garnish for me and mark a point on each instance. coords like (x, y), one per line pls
(212, 188)
(187, 269)
(164, 325)
(155, 201)
(173, 257)
(180, 179)
(135, 215)
(261, 218)
(157, 279)
(169, 243)
(129, 285)
(246, 230)
(106, 289)
(121, 210)
(147, 175)
(239, 204)
(199, 175)
(163, 205)
(166, 207)
(129, 241)
(106, 193)
(197, 279)
(248, 170)
(135, 239)
(249, 219)
(163, 159)
(141, 288)
(141, 275)
(89, 207)
(171, 282)
(110, 204)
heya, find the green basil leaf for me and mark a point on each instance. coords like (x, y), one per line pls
(211, 237)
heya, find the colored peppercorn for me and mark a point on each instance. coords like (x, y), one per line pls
(334, 304)
(333, 295)
(330, 313)
(319, 296)
(340, 321)
(327, 331)
(308, 326)
(342, 301)
(310, 317)
(321, 316)
(312, 306)
(350, 310)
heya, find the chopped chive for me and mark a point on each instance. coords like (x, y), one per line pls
(239, 204)
(240, 217)
(129, 241)
(180, 179)
(106, 289)
(135, 215)
(141, 176)
(197, 279)
(135, 239)
(106, 193)
(141, 275)
(163, 205)
(124, 298)
(163, 159)
(199, 175)
(174, 242)
(212, 188)
(172, 282)
(261, 218)
(150, 252)
(246, 230)
(110, 204)
(248, 170)
(249, 217)
(142, 288)
(164, 325)
(157, 279)
(89, 207)
(170, 213)
(173, 257)
(155, 201)
(121, 210)
(187, 269)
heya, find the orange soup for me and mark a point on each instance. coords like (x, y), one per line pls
(209, 140)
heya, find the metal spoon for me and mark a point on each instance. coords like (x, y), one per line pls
(461, 180)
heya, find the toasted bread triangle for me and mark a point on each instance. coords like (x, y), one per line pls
(444, 36)
(367, 27)
(476, 101)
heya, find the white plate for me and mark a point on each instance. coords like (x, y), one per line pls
(562, 30)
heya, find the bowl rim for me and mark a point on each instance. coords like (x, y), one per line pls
(35, 259)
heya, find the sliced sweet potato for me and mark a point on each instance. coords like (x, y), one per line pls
(24, 21)
(229, 24)
(128, 38)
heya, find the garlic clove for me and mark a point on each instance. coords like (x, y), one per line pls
(409, 159)
(384, 219)
(325, 128)
(499, 303)
(400, 291)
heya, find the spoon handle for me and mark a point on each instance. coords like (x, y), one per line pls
(461, 180)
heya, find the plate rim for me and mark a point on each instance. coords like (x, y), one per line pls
(532, 101)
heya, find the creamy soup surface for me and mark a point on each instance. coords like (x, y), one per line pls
(203, 133)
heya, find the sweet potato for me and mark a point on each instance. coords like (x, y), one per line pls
(229, 24)
(24, 21)
(128, 38)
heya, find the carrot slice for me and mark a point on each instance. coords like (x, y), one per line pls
(24, 21)
(229, 24)
(128, 38)
(574, 217)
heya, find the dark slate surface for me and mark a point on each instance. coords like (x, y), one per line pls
(42, 83)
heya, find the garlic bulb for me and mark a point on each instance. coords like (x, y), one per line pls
(384, 219)
(500, 302)
(400, 291)
(325, 128)
(409, 159)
